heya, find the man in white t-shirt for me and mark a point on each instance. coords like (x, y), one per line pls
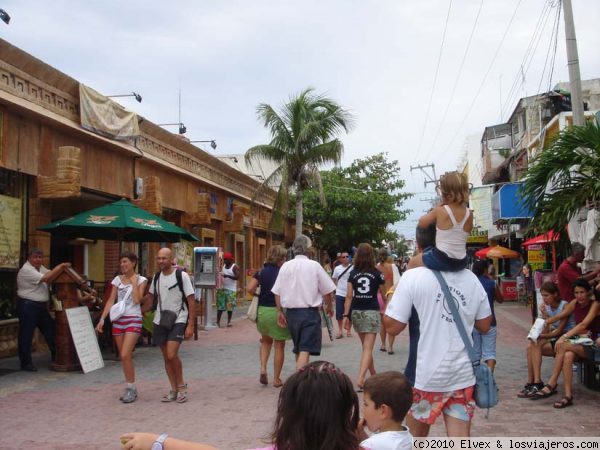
(169, 340)
(340, 278)
(444, 379)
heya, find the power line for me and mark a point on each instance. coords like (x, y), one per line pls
(437, 69)
(555, 46)
(553, 39)
(459, 128)
(456, 80)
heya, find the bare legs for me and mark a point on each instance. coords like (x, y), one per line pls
(366, 360)
(383, 335)
(265, 351)
(302, 359)
(534, 359)
(278, 358)
(454, 427)
(126, 344)
(173, 365)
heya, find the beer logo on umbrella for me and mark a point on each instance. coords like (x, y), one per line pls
(101, 220)
(150, 223)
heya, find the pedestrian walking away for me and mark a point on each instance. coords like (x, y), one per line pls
(340, 278)
(173, 320)
(301, 287)
(128, 291)
(266, 320)
(32, 306)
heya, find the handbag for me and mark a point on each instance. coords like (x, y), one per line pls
(252, 313)
(167, 317)
(118, 309)
(486, 390)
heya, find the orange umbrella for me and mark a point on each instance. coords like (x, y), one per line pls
(497, 252)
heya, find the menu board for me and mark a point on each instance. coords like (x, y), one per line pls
(10, 232)
(84, 338)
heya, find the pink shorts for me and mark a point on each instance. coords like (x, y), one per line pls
(427, 406)
(127, 324)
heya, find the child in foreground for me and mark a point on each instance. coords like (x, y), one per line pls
(454, 222)
(317, 409)
(387, 399)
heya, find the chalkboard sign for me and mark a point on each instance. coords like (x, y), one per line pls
(84, 338)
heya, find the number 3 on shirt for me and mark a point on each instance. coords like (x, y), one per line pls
(365, 285)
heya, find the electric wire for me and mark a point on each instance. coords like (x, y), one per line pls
(552, 64)
(437, 69)
(456, 80)
(497, 52)
(553, 38)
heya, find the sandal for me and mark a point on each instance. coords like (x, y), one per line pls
(546, 391)
(339, 336)
(263, 379)
(564, 402)
(277, 384)
(383, 349)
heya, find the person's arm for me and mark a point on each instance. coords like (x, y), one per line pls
(498, 293)
(328, 300)
(106, 310)
(252, 286)
(191, 304)
(144, 441)
(483, 325)
(139, 291)
(564, 314)
(584, 324)
(393, 326)
(281, 320)
(347, 303)
(557, 331)
(429, 218)
(52, 273)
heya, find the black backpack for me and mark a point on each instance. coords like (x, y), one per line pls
(179, 283)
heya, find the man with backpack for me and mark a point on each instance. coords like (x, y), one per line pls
(173, 295)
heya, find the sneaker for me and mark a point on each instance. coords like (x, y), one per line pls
(182, 394)
(129, 396)
(170, 397)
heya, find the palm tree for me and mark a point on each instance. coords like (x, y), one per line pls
(564, 178)
(303, 138)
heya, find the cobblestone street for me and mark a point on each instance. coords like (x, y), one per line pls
(229, 409)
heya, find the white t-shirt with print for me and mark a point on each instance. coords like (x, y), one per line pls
(443, 363)
(341, 283)
(124, 294)
(170, 295)
(389, 440)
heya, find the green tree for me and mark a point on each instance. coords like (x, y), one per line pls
(362, 201)
(563, 178)
(303, 138)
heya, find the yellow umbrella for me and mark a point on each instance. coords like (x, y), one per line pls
(499, 252)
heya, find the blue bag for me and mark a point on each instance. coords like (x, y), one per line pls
(486, 391)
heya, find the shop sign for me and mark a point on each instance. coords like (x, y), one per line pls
(536, 256)
(84, 338)
(509, 289)
(10, 232)
(477, 237)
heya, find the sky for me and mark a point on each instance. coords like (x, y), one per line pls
(419, 77)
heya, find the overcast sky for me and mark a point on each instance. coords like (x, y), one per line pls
(378, 59)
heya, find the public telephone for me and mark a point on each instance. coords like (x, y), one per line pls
(206, 268)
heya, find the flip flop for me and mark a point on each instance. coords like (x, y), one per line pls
(339, 336)
(263, 379)
(391, 352)
(545, 392)
(564, 402)
(277, 384)
(383, 349)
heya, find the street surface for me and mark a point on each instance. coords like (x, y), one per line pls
(227, 406)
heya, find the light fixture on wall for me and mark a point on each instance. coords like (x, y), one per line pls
(182, 128)
(4, 16)
(213, 143)
(137, 96)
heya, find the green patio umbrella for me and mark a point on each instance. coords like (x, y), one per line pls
(119, 221)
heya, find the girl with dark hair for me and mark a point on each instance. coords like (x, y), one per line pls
(317, 410)
(129, 288)
(364, 282)
(569, 347)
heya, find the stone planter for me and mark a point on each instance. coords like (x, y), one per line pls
(8, 337)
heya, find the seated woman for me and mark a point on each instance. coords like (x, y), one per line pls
(586, 312)
(544, 346)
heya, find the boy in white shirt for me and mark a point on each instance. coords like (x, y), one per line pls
(387, 398)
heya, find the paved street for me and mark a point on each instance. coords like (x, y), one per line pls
(228, 408)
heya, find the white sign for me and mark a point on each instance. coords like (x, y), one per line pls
(84, 338)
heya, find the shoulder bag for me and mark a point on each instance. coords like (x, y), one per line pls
(118, 309)
(486, 391)
(252, 313)
(167, 317)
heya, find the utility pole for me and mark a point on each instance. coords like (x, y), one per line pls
(573, 63)
(428, 177)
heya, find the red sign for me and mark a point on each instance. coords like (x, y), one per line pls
(509, 289)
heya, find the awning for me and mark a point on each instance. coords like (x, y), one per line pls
(541, 239)
(507, 203)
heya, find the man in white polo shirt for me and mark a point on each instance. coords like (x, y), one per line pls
(32, 306)
(300, 287)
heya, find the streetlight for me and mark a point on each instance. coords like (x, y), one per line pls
(213, 143)
(137, 96)
(182, 128)
(4, 16)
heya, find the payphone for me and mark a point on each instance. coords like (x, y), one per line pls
(207, 278)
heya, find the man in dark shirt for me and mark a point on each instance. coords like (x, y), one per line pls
(568, 272)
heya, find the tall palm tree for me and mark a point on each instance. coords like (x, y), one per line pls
(303, 138)
(564, 177)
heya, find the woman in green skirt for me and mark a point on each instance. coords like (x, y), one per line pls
(266, 322)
